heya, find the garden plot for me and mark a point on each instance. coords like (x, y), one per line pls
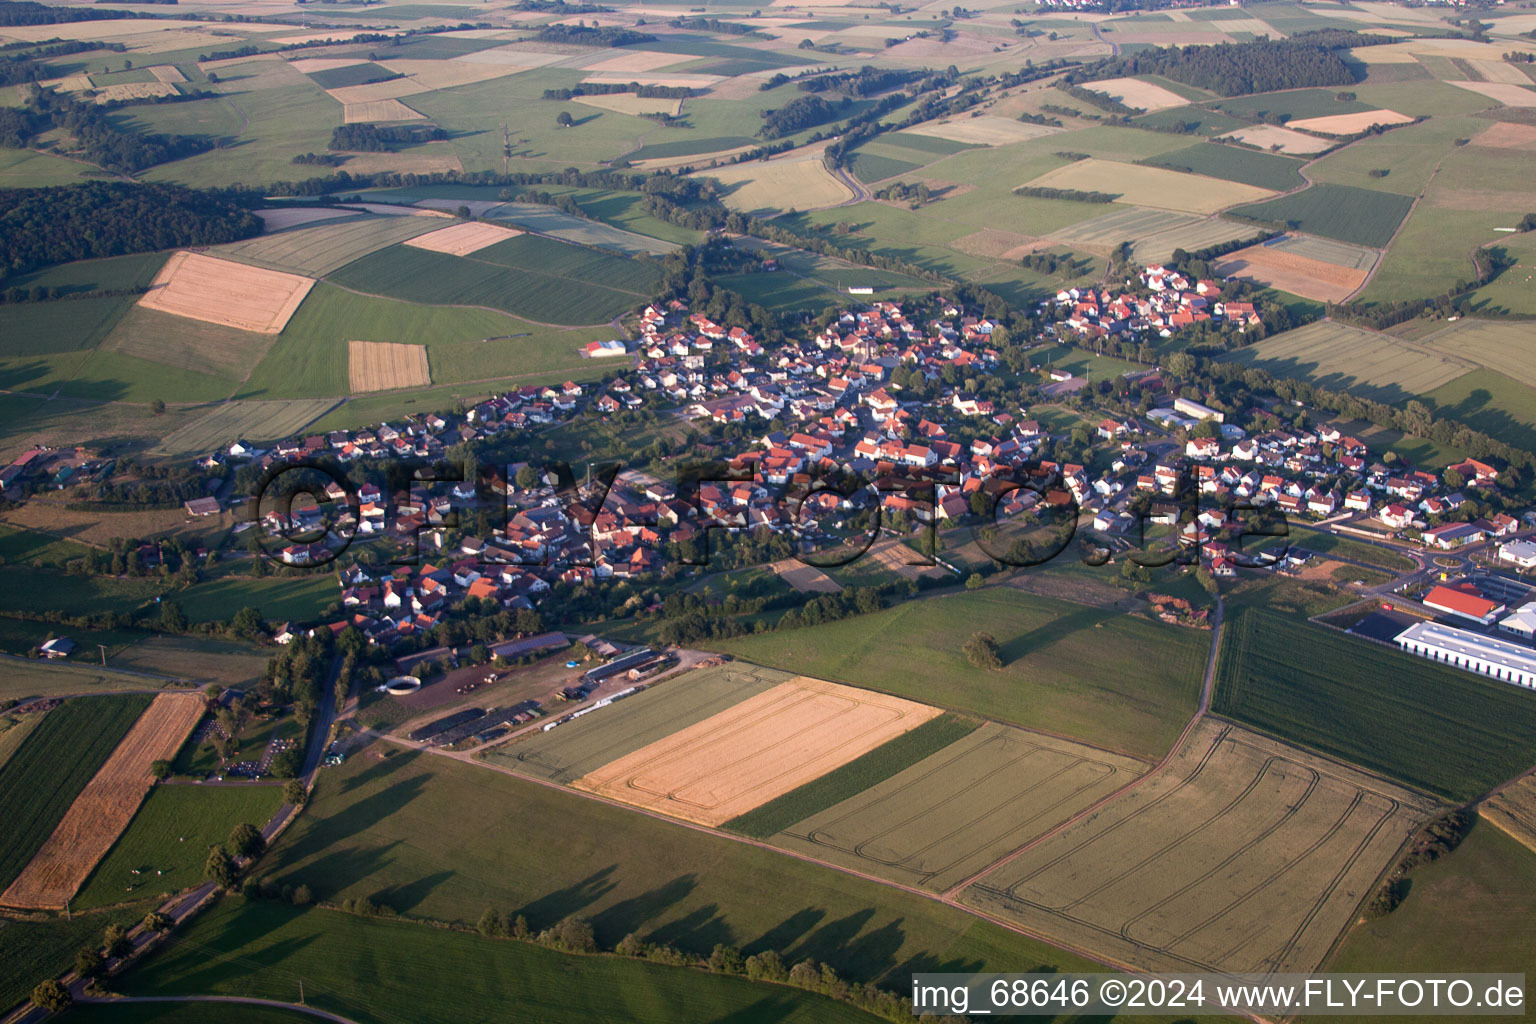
(385, 365)
(463, 239)
(224, 292)
(1244, 854)
(106, 805)
(761, 748)
(962, 808)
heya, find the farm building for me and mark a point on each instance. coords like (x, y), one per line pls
(1497, 659)
(514, 649)
(619, 665)
(59, 647)
(1463, 603)
(1519, 552)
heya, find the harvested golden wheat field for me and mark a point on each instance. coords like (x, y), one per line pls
(1291, 272)
(463, 239)
(1349, 124)
(385, 365)
(224, 292)
(105, 806)
(756, 750)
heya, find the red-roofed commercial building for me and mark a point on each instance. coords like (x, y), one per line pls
(1464, 604)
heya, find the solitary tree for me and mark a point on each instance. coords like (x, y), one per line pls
(160, 770)
(51, 996)
(116, 939)
(220, 868)
(294, 792)
(89, 962)
(245, 840)
(564, 120)
(982, 651)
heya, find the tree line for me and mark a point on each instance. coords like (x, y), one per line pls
(373, 138)
(101, 141)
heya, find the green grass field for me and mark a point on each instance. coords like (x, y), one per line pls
(573, 749)
(1445, 731)
(309, 359)
(390, 972)
(27, 590)
(854, 777)
(38, 949)
(28, 678)
(411, 831)
(1361, 362)
(1492, 403)
(42, 779)
(300, 598)
(124, 1012)
(14, 729)
(1295, 104)
(1474, 909)
(167, 842)
(1343, 212)
(1233, 163)
(1107, 678)
(319, 249)
(228, 422)
(529, 277)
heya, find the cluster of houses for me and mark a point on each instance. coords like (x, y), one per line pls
(1170, 303)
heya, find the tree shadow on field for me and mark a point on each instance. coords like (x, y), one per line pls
(1052, 632)
(926, 963)
(699, 931)
(331, 874)
(843, 944)
(773, 1007)
(404, 898)
(379, 769)
(784, 934)
(637, 912)
(214, 971)
(322, 833)
(548, 909)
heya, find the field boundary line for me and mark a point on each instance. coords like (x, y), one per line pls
(245, 1000)
(952, 893)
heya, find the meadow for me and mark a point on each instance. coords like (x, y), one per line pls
(167, 842)
(1344, 212)
(26, 677)
(324, 248)
(529, 277)
(389, 972)
(1474, 909)
(228, 422)
(949, 816)
(393, 828)
(300, 598)
(27, 590)
(45, 948)
(1345, 358)
(1492, 403)
(1495, 345)
(854, 777)
(1113, 680)
(42, 779)
(1439, 729)
(1233, 163)
(309, 359)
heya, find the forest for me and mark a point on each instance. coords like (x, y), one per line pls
(608, 35)
(26, 12)
(1307, 59)
(372, 138)
(43, 226)
(795, 116)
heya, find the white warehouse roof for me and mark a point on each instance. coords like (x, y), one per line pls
(1468, 645)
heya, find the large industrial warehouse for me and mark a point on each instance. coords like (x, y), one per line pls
(1497, 659)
